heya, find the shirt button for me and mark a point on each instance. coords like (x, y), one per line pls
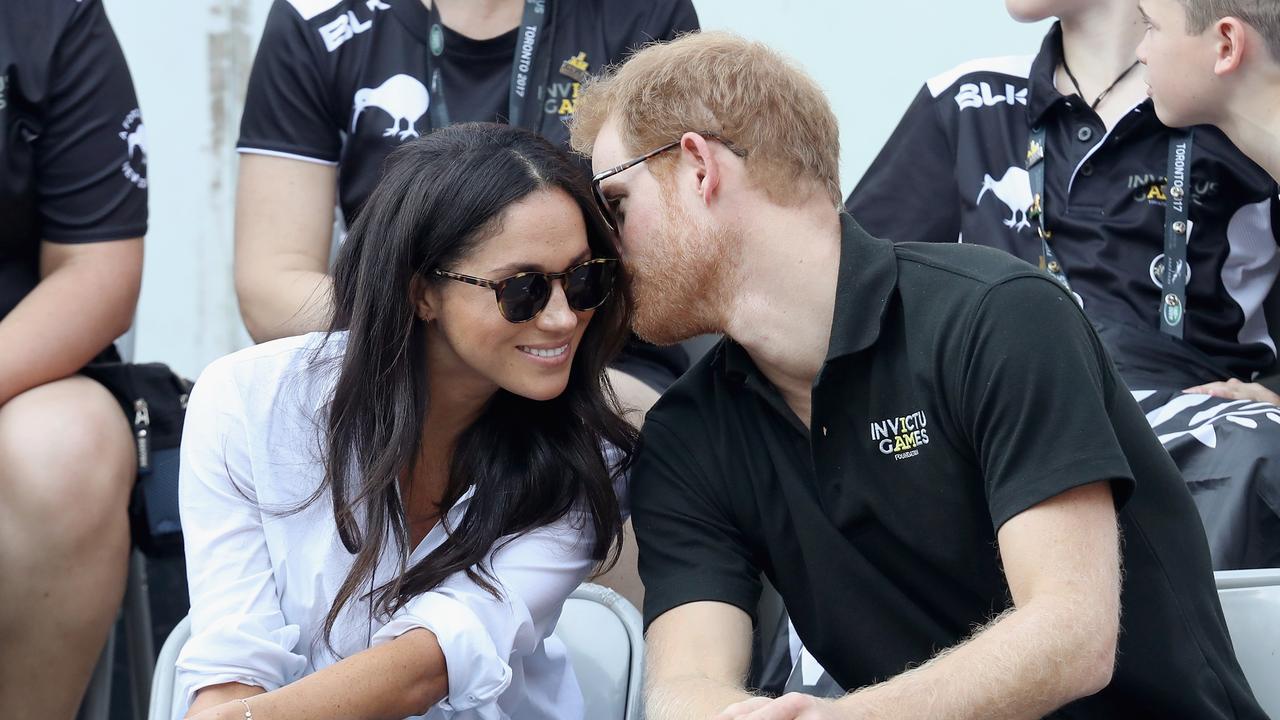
(824, 431)
(1084, 134)
(1086, 169)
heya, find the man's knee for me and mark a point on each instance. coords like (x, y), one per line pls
(66, 452)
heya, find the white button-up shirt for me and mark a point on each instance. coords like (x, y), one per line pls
(262, 580)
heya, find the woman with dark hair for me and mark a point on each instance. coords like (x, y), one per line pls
(384, 520)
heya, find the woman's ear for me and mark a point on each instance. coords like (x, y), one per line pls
(423, 298)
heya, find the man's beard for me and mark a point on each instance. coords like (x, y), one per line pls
(677, 279)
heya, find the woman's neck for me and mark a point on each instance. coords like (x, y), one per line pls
(1099, 44)
(479, 19)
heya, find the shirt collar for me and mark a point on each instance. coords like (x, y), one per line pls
(1044, 91)
(866, 281)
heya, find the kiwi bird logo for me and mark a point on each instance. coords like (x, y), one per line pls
(402, 97)
(136, 139)
(1014, 190)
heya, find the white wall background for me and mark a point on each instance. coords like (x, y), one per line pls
(190, 61)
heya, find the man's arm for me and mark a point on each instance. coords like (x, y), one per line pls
(698, 656)
(85, 300)
(1058, 644)
(284, 228)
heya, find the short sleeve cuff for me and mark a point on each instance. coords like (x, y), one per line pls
(286, 151)
(1019, 497)
(243, 650)
(477, 674)
(674, 592)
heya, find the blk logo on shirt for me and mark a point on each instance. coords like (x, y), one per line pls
(403, 97)
(980, 95)
(348, 25)
(902, 437)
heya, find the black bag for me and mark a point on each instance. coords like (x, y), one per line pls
(154, 399)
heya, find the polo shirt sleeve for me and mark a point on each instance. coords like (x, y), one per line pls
(92, 136)
(1035, 393)
(286, 112)
(909, 193)
(691, 549)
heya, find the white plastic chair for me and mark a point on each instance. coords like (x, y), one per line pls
(601, 630)
(605, 638)
(1251, 603)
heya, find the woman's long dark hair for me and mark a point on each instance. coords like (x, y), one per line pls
(531, 462)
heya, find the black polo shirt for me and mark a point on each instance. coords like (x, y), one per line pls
(316, 56)
(73, 152)
(955, 169)
(961, 387)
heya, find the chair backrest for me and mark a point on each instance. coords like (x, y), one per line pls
(1251, 603)
(601, 630)
(604, 635)
(162, 683)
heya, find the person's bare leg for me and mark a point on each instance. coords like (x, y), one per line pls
(66, 467)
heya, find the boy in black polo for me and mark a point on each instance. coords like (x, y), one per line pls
(924, 447)
(1167, 238)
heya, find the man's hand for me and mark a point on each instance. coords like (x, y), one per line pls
(1233, 389)
(792, 706)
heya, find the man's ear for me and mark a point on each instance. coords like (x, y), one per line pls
(695, 150)
(1231, 41)
(423, 298)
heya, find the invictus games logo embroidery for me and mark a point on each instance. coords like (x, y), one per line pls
(1154, 189)
(561, 98)
(980, 95)
(902, 437)
(134, 135)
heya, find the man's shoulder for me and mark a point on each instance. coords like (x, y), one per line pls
(692, 400)
(950, 268)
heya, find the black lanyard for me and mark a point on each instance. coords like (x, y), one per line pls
(1173, 303)
(528, 67)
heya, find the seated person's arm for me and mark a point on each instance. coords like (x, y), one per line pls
(1058, 644)
(697, 659)
(284, 228)
(85, 300)
(701, 579)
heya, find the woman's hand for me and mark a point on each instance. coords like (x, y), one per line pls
(1233, 389)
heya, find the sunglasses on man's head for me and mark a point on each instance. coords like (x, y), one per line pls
(523, 295)
(602, 202)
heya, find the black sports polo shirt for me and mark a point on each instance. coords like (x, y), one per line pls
(955, 169)
(73, 150)
(325, 67)
(961, 387)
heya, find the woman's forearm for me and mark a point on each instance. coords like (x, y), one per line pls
(397, 679)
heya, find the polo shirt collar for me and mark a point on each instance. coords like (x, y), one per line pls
(1044, 93)
(866, 281)
(868, 276)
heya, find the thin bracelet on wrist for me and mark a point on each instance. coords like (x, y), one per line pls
(248, 713)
